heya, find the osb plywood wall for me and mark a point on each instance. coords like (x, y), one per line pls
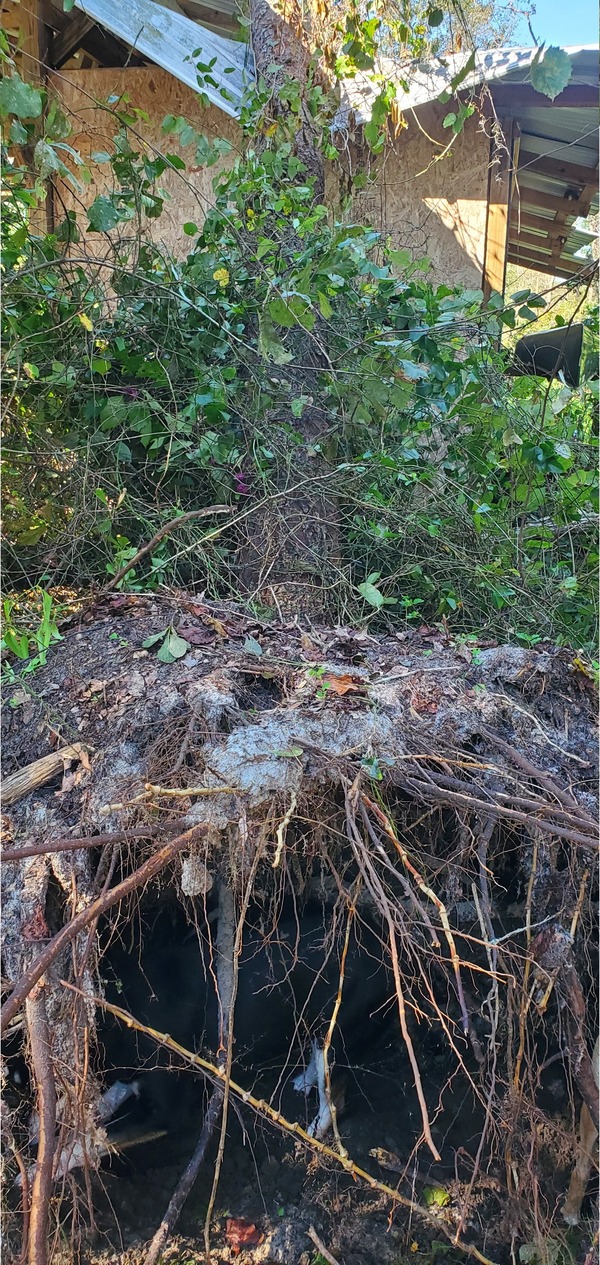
(158, 94)
(434, 208)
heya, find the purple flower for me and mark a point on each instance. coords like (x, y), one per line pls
(132, 393)
(241, 485)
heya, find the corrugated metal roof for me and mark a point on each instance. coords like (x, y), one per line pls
(169, 39)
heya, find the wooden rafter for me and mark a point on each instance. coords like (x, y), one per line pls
(517, 96)
(65, 44)
(555, 167)
(532, 198)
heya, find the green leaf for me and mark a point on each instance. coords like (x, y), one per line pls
(18, 133)
(449, 120)
(371, 594)
(552, 72)
(462, 74)
(190, 229)
(46, 160)
(435, 17)
(102, 215)
(152, 641)
(17, 97)
(290, 752)
(298, 405)
(435, 1197)
(269, 345)
(252, 646)
(99, 156)
(324, 305)
(280, 313)
(510, 437)
(68, 5)
(173, 647)
(100, 365)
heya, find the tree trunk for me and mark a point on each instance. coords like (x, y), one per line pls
(291, 560)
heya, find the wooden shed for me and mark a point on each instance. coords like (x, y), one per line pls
(513, 186)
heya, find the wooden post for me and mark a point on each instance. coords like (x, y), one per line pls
(23, 22)
(503, 161)
(26, 30)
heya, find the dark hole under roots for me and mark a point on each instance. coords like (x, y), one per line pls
(158, 963)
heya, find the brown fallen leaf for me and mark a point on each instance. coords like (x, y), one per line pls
(218, 625)
(196, 634)
(341, 683)
(93, 687)
(240, 1234)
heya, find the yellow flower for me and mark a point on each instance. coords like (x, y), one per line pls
(222, 276)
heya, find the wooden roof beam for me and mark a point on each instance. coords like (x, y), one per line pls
(521, 96)
(544, 263)
(69, 40)
(555, 168)
(527, 219)
(532, 198)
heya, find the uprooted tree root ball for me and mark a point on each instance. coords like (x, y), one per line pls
(238, 852)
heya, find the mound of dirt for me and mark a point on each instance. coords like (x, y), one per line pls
(171, 750)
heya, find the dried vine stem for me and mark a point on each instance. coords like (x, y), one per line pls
(43, 1072)
(163, 531)
(88, 841)
(265, 1109)
(147, 871)
(171, 792)
(373, 883)
(384, 821)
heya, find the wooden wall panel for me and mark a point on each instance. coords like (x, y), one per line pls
(158, 94)
(434, 208)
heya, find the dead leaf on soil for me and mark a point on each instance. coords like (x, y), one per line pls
(92, 688)
(196, 634)
(308, 647)
(240, 1234)
(341, 683)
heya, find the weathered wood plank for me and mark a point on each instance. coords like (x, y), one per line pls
(38, 773)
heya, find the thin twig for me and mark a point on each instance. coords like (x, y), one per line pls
(187, 1179)
(265, 1109)
(330, 1032)
(375, 884)
(163, 531)
(544, 779)
(384, 821)
(147, 871)
(43, 1073)
(88, 841)
(229, 948)
(320, 1246)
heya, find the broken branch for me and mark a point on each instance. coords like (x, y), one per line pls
(147, 871)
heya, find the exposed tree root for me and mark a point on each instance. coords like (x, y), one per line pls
(394, 784)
